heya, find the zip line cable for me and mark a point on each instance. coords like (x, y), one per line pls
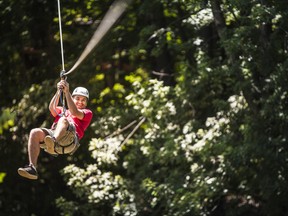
(112, 15)
(61, 39)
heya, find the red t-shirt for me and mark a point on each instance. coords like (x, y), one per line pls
(80, 124)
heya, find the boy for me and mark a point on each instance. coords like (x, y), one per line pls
(68, 128)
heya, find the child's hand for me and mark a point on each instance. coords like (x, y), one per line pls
(63, 85)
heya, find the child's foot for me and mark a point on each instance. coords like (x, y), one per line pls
(29, 171)
(50, 144)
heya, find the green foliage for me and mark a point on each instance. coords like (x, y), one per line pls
(190, 104)
(2, 176)
(207, 144)
(152, 163)
(6, 120)
(97, 189)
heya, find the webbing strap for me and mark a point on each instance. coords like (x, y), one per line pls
(113, 14)
(62, 101)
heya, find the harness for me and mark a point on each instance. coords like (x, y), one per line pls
(70, 148)
(68, 144)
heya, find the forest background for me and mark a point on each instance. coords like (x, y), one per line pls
(189, 100)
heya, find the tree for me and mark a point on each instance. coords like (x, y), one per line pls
(227, 156)
(206, 137)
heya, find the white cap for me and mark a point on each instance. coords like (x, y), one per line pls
(81, 91)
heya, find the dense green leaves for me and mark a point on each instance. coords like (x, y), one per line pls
(189, 101)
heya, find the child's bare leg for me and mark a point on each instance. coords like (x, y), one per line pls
(36, 136)
(61, 128)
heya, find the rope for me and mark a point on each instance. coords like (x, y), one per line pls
(142, 120)
(61, 96)
(133, 131)
(118, 131)
(62, 76)
(114, 12)
(60, 33)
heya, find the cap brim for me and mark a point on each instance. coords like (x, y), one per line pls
(80, 95)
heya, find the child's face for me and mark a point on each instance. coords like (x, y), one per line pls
(80, 101)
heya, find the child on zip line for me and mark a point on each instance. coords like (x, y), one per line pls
(66, 131)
